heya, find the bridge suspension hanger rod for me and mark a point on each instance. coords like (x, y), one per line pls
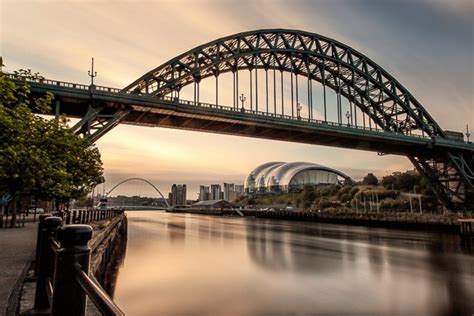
(282, 96)
(309, 98)
(324, 90)
(292, 101)
(237, 83)
(251, 92)
(274, 89)
(296, 81)
(256, 86)
(233, 90)
(339, 103)
(266, 86)
(217, 88)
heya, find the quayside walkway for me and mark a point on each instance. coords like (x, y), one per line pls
(16, 249)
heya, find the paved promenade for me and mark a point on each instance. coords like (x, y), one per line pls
(17, 246)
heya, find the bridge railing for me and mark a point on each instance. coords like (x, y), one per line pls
(62, 270)
(291, 117)
(86, 216)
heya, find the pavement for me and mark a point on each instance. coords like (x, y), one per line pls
(17, 246)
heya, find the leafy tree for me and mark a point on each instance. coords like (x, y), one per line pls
(308, 195)
(391, 182)
(370, 179)
(39, 156)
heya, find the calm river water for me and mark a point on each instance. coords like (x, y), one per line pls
(179, 264)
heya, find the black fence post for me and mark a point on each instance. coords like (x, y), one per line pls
(68, 217)
(39, 240)
(68, 296)
(51, 225)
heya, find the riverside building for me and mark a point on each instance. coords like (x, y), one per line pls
(283, 177)
(177, 196)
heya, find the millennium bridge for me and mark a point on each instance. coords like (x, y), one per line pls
(382, 115)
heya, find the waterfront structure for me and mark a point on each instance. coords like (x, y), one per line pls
(204, 193)
(216, 192)
(212, 205)
(178, 195)
(283, 177)
(382, 116)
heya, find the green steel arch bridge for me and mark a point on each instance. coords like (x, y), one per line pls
(381, 115)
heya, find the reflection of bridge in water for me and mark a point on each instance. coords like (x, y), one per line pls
(283, 72)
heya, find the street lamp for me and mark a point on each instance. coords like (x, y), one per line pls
(348, 115)
(92, 73)
(242, 99)
(467, 133)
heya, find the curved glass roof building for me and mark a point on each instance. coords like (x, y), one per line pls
(273, 177)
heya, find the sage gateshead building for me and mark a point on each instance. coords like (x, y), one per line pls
(283, 177)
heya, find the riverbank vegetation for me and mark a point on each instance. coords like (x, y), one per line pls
(400, 191)
(40, 157)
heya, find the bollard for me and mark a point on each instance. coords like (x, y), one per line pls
(68, 296)
(45, 269)
(39, 240)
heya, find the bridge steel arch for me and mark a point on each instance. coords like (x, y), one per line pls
(139, 179)
(371, 88)
(335, 65)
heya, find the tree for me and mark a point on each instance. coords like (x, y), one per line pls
(370, 179)
(41, 157)
(308, 195)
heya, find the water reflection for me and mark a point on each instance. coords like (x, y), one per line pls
(198, 265)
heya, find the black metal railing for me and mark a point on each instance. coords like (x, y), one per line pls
(5, 220)
(85, 216)
(63, 282)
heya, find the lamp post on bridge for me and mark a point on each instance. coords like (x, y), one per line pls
(468, 134)
(348, 115)
(242, 99)
(92, 73)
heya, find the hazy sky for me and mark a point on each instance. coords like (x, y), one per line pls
(427, 45)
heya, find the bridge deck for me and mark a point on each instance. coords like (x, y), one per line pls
(74, 100)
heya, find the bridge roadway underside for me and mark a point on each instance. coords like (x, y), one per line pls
(151, 111)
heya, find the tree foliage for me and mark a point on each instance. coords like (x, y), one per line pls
(370, 179)
(41, 156)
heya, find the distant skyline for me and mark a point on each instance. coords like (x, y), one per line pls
(426, 45)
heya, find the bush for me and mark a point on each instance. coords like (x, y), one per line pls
(325, 203)
(353, 191)
(392, 204)
(344, 190)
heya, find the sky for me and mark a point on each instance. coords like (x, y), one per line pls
(426, 45)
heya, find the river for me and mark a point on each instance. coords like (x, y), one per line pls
(178, 264)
